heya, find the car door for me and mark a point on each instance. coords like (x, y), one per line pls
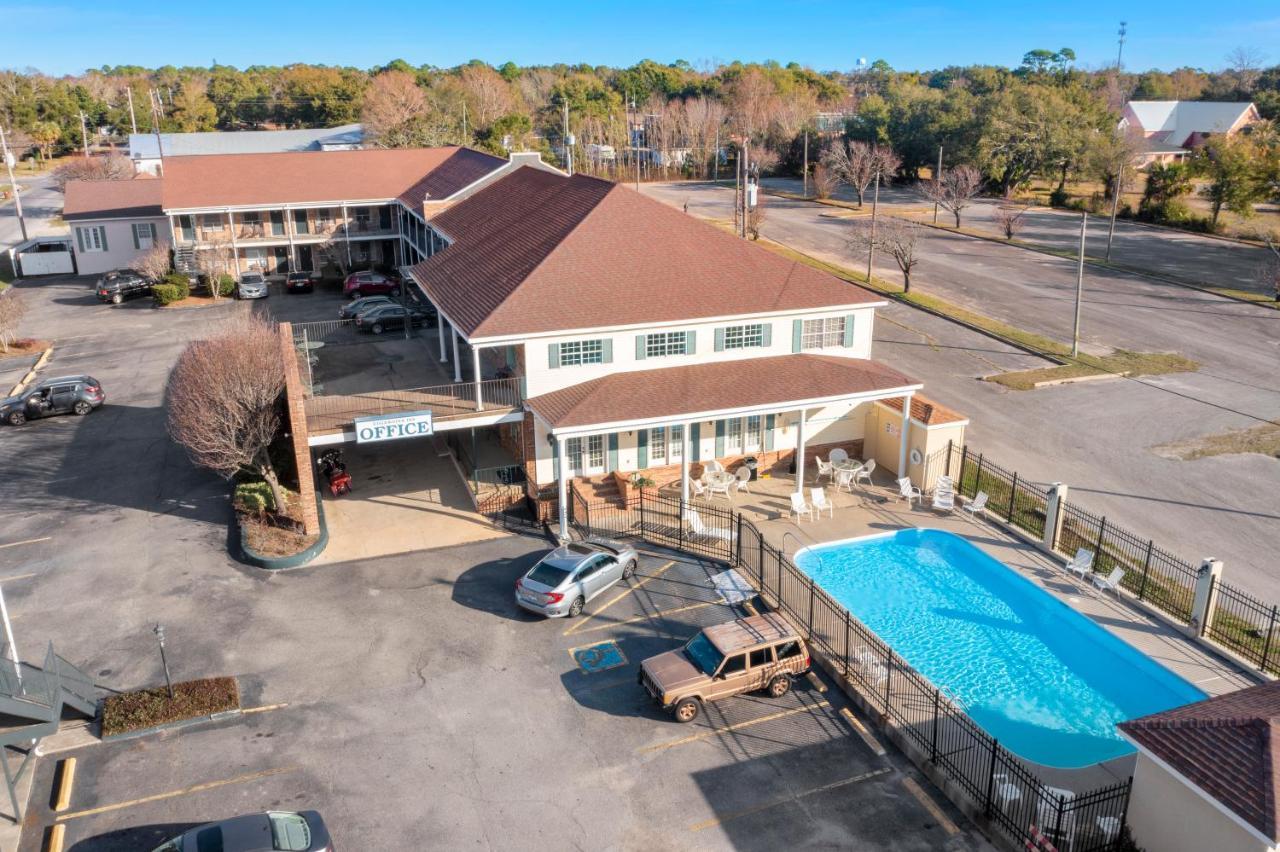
(729, 678)
(610, 571)
(761, 666)
(598, 581)
(63, 398)
(584, 578)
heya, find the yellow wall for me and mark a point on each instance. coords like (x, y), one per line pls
(883, 438)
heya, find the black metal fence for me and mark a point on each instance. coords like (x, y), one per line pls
(1246, 625)
(1001, 788)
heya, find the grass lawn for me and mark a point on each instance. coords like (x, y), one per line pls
(148, 708)
(1263, 440)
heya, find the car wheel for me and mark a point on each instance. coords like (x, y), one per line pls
(575, 609)
(779, 686)
(629, 570)
(16, 418)
(117, 299)
(82, 408)
(686, 710)
(377, 328)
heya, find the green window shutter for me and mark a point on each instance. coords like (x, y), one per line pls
(134, 230)
(553, 356)
(642, 448)
(766, 334)
(607, 350)
(768, 429)
(690, 342)
(80, 238)
(102, 231)
(641, 340)
(797, 334)
(848, 330)
(719, 339)
(613, 453)
(719, 439)
(510, 352)
(695, 442)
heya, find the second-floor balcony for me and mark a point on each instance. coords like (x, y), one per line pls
(297, 225)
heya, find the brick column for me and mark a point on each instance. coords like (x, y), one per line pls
(295, 405)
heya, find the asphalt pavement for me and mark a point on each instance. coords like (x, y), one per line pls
(41, 204)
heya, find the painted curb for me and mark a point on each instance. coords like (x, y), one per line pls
(31, 374)
(173, 726)
(297, 560)
(178, 306)
(66, 781)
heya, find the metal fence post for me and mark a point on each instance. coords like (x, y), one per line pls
(950, 450)
(642, 526)
(848, 630)
(1013, 496)
(812, 592)
(1146, 569)
(737, 559)
(964, 459)
(760, 560)
(1057, 828)
(1271, 630)
(680, 525)
(888, 678)
(933, 741)
(991, 778)
(977, 478)
(1102, 532)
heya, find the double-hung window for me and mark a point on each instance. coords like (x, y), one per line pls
(144, 235)
(751, 441)
(662, 343)
(677, 444)
(92, 238)
(578, 352)
(744, 336)
(658, 446)
(822, 333)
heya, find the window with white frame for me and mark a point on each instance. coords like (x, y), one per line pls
(577, 352)
(744, 336)
(662, 343)
(751, 441)
(733, 435)
(146, 234)
(822, 333)
(658, 445)
(595, 451)
(677, 444)
(573, 453)
(585, 454)
(92, 239)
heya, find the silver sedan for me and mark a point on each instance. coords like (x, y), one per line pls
(566, 578)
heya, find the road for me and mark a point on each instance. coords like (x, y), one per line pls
(1097, 437)
(41, 203)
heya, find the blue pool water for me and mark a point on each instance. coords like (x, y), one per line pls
(1043, 679)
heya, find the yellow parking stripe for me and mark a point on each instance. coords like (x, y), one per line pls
(731, 728)
(867, 737)
(27, 541)
(794, 797)
(931, 806)
(655, 575)
(210, 785)
(651, 615)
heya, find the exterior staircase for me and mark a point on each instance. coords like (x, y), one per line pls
(184, 259)
(598, 489)
(32, 706)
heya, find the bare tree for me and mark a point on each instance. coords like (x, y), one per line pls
(853, 163)
(955, 190)
(1010, 220)
(223, 399)
(213, 260)
(113, 167)
(13, 307)
(756, 217)
(825, 181)
(393, 104)
(897, 238)
(334, 251)
(153, 263)
(1246, 64)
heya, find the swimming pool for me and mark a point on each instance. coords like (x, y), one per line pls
(1046, 681)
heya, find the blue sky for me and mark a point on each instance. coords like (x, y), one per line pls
(67, 37)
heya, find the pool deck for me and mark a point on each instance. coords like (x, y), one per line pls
(877, 509)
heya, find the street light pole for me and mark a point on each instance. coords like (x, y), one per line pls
(937, 175)
(1115, 207)
(871, 243)
(1075, 332)
(17, 197)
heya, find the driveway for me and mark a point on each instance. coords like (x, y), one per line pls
(41, 203)
(1097, 437)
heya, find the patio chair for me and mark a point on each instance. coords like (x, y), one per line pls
(837, 455)
(873, 668)
(712, 465)
(978, 505)
(826, 469)
(1082, 563)
(697, 488)
(1005, 791)
(818, 499)
(844, 480)
(698, 528)
(908, 492)
(864, 472)
(944, 495)
(799, 507)
(744, 477)
(1111, 582)
(1047, 816)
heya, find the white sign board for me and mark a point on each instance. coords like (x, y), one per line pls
(391, 427)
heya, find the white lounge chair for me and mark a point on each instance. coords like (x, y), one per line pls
(799, 507)
(864, 472)
(826, 469)
(698, 528)
(837, 455)
(818, 499)
(844, 480)
(744, 477)
(978, 505)
(1005, 791)
(944, 494)
(1111, 582)
(1082, 563)
(1047, 817)
(909, 492)
(873, 668)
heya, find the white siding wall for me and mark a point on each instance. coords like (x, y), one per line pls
(119, 252)
(1168, 815)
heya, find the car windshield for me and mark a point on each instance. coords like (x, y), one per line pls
(703, 654)
(289, 832)
(252, 279)
(549, 574)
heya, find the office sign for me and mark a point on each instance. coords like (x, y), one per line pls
(391, 427)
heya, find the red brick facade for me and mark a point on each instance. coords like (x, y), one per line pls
(295, 407)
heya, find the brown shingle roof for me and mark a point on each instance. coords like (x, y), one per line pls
(715, 386)
(107, 199)
(299, 177)
(926, 411)
(537, 252)
(1228, 746)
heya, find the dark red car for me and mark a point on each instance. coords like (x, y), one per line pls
(359, 284)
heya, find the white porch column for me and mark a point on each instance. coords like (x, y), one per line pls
(457, 362)
(800, 454)
(906, 430)
(235, 247)
(562, 481)
(288, 232)
(684, 461)
(346, 234)
(475, 374)
(442, 322)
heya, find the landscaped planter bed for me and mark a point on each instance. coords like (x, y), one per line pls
(152, 708)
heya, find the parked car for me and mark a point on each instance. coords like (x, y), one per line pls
(121, 284)
(359, 284)
(64, 395)
(300, 282)
(384, 317)
(274, 831)
(763, 652)
(353, 309)
(253, 285)
(568, 577)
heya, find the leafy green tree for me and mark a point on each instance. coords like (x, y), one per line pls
(1233, 168)
(1166, 184)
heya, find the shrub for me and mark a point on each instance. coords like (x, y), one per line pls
(225, 283)
(1059, 197)
(254, 497)
(180, 281)
(166, 294)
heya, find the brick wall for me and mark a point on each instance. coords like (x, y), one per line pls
(297, 414)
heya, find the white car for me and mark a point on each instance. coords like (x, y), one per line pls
(252, 286)
(566, 578)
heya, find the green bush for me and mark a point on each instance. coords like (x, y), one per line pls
(226, 285)
(179, 281)
(166, 294)
(254, 497)
(1059, 197)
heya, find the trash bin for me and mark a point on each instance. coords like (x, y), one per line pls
(751, 464)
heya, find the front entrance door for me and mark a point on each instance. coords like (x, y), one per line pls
(304, 259)
(280, 257)
(585, 455)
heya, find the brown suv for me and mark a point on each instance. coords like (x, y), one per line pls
(760, 652)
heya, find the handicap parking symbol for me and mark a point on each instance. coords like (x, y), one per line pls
(599, 657)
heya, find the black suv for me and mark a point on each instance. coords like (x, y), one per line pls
(383, 317)
(121, 284)
(64, 395)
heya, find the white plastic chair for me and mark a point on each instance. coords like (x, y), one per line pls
(712, 465)
(944, 495)
(978, 505)
(697, 488)
(826, 469)
(1081, 564)
(799, 507)
(837, 455)
(818, 499)
(844, 480)
(864, 472)
(744, 477)
(715, 488)
(909, 492)
(1111, 582)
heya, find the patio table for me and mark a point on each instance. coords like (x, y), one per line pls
(848, 464)
(719, 480)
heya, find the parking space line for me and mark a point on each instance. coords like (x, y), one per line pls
(17, 577)
(650, 615)
(737, 726)
(655, 575)
(28, 541)
(931, 806)
(861, 729)
(264, 708)
(794, 797)
(186, 791)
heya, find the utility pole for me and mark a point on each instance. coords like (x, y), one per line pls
(153, 98)
(1115, 207)
(715, 159)
(937, 175)
(875, 204)
(133, 121)
(17, 197)
(464, 122)
(568, 140)
(84, 134)
(1124, 30)
(1075, 333)
(805, 191)
(635, 143)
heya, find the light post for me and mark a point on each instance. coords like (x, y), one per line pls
(164, 661)
(1075, 332)
(13, 184)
